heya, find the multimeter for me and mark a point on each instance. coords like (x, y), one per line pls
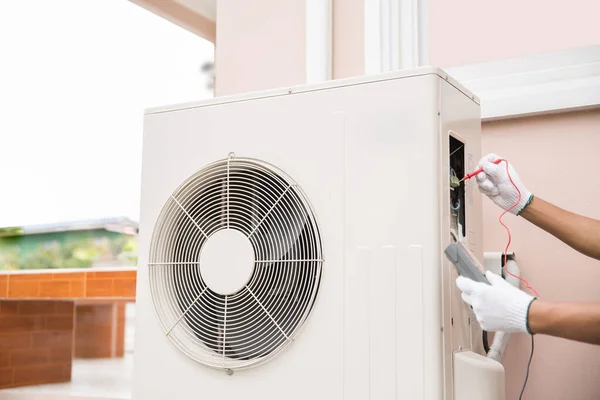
(465, 262)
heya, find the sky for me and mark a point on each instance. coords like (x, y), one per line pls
(75, 78)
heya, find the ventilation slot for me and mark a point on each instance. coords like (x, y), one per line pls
(249, 325)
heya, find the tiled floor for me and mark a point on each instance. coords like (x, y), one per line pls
(104, 379)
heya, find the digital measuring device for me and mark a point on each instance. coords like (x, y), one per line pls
(465, 262)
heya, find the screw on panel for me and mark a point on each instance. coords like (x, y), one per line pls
(229, 371)
(452, 321)
(231, 155)
(442, 329)
(438, 113)
(289, 91)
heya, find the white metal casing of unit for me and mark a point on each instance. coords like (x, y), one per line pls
(372, 156)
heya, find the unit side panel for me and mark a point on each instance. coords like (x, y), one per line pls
(392, 220)
(461, 137)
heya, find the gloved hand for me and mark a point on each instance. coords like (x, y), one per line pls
(495, 183)
(499, 306)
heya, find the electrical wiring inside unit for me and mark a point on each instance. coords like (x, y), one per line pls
(457, 189)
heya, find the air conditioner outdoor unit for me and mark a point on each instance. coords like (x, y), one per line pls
(291, 245)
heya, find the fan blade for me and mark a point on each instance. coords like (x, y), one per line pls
(278, 234)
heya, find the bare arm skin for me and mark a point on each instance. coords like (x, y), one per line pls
(574, 321)
(579, 232)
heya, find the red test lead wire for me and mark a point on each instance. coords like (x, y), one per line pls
(474, 173)
(510, 273)
(506, 252)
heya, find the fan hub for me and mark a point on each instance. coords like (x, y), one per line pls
(227, 261)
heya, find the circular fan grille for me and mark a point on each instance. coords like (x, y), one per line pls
(252, 324)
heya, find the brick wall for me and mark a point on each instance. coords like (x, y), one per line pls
(120, 330)
(69, 285)
(3, 285)
(36, 342)
(37, 312)
(100, 330)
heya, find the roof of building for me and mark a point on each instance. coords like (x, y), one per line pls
(115, 224)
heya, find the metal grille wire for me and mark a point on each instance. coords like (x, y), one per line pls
(251, 326)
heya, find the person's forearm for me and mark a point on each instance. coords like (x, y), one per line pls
(581, 233)
(575, 321)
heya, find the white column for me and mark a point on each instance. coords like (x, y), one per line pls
(395, 35)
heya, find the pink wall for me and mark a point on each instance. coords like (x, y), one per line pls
(249, 56)
(548, 153)
(469, 31)
(257, 59)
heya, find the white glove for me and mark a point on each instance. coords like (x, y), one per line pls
(495, 183)
(499, 306)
